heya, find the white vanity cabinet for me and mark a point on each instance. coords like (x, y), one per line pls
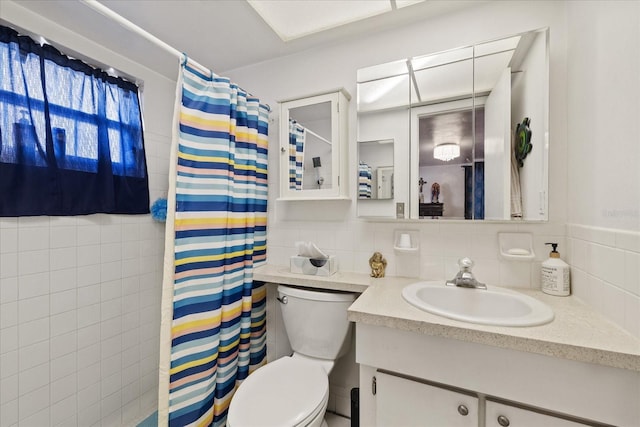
(503, 415)
(408, 403)
(422, 379)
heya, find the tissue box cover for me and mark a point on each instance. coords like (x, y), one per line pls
(313, 266)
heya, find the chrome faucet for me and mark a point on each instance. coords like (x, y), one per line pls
(464, 278)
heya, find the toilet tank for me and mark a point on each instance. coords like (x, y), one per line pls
(316, 321)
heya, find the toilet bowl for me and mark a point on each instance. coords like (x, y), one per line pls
(294, 391)
(287, 392)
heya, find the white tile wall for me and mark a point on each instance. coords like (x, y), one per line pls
(79, 319)
(605, 273)
(441, 245)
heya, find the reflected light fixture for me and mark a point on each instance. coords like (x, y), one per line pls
(446, 151)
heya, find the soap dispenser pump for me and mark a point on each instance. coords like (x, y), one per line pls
(555, 274)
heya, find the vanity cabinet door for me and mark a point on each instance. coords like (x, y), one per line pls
(404, 402)
(502, 415)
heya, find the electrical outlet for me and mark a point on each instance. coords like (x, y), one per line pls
(400, 210)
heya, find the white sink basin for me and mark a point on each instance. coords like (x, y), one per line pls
(492, 306)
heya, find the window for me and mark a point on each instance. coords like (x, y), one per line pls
(71, 139)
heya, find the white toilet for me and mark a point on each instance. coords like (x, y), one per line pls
(293, 391)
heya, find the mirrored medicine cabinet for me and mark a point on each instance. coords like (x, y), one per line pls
(313, 147)
(461, 134)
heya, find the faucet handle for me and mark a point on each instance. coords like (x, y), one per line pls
(465, 264)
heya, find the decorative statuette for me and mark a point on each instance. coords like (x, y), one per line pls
(378, 264)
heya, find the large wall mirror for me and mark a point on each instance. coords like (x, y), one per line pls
(471, 123)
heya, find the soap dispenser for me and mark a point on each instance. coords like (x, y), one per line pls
(555, 274)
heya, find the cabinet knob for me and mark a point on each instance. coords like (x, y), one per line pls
(503, 421)
(283, 150)
(463, 410)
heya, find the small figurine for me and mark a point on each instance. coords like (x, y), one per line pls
(435, 193)
(421, 183)
(377, 264)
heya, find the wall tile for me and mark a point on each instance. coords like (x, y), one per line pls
(33, 308)
(632, 315)
(631, 280)
(8, 265)
(62, 237)
(31, 262)
(88, 235)
(8, 364)
(63, 344)
(8, 339)
(8, 314)
(33, 355)
(64, 323)
(60, 302)
(34, 379)
(64, 387)
(62, 280)
(8, 290)
(89, 335)
(33, 285)
(33, 332)
(88, 275)
(607, 263)
(88, 395)
(9, 389)
(515, 274)
(8, 240)
(88, 255)
(63, 410)
(89, 415)
(9, 413)
(62, 258)
(38, 419)
(33, 238)
(88, 356)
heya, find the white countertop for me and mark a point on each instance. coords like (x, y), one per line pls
(577, 332)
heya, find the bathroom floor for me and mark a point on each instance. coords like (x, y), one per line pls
(333, 420)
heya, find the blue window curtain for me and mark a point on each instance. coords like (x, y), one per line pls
(71, 140)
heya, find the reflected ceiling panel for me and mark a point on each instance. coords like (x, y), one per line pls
(488, 69)
(383, 94)
(426, 61)
(445, 82)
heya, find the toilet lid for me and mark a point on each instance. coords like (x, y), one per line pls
(286, 392)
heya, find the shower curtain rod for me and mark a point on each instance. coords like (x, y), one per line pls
(105, 11)
(317, 136)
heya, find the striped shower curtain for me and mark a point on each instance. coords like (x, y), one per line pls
(364, 181)
(296, 154)
(213, 314)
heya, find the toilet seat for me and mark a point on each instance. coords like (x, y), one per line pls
(287, 392)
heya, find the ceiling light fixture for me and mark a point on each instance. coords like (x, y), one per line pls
(446, 151)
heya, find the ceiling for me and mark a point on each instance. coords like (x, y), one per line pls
(220, 34)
